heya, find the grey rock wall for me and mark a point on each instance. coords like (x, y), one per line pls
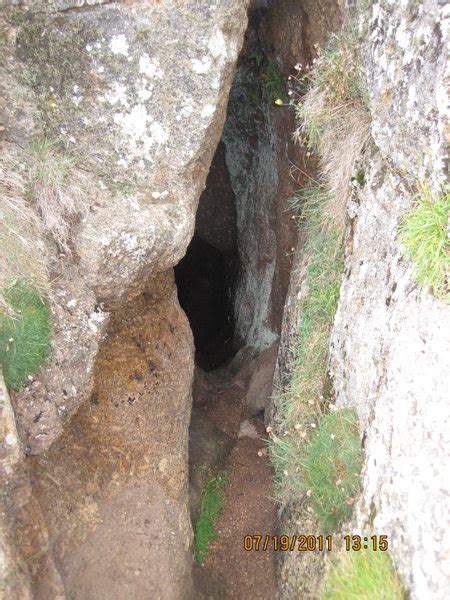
(390, 347)
(250, 142)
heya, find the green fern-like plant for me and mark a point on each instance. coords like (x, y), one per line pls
(213, 496)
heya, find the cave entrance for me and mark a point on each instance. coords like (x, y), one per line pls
(207, 275)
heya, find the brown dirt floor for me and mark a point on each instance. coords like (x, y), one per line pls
(229, 572)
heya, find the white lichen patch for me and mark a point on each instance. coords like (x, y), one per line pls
(119, 44)
(140, 132)
(150, 68)
(158, 195)
(94, 320)
(207, 111)
(201, 66)
(159, 134)
(118, 93)
(145, 91)
(217, 45)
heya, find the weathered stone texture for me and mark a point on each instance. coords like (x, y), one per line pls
(24, 549)
(114, 487)
(137, 92)
(390, 347)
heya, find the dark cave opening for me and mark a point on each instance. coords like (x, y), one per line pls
(206, 277)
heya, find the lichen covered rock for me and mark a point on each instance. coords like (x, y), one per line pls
(136, 93)
(390, 346)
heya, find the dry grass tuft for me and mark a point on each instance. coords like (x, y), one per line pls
(41, 193)
(334, 120)
(56, 188)
(22, 253)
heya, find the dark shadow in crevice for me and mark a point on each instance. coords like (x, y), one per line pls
(205, 279)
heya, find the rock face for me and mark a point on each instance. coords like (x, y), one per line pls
(257, 160)
(137, 93)
(391, 344)
(114, 486)
(250, 143)
(24, 548)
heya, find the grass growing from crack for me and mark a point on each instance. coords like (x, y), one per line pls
(425, 239)
(364, 575)
(22, 253)
(56, 188)
(24, 334)
(213, 496)
(331, 467)
(333, 118)
(301, 404)
(42, 194)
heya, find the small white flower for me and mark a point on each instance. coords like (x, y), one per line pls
(313, 425)
(333, 436)
(309, 492)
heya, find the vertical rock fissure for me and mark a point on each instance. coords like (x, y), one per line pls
(231, 284)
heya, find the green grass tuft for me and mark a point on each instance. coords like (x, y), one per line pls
(211, 506)
(424, 235)
(331, 467)
(364, 575)
(24, 334)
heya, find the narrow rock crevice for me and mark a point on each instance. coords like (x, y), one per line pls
(232, 285)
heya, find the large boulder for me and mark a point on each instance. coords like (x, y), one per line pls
(137, 94)
(390, 347)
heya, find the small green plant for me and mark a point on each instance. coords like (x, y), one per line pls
(274, 84)
(359, 178)
(331, 467)
(213, 496)
(364, 575)
(425, 239)
(24, 334)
